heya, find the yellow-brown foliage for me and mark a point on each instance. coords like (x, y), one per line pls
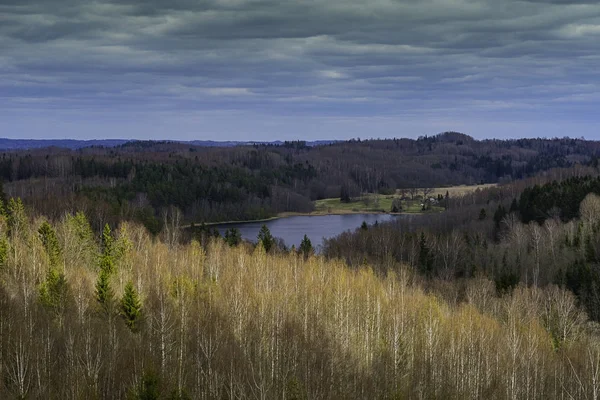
(222, 322)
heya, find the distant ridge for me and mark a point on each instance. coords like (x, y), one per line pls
(73, 144)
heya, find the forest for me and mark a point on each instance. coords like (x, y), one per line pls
(126, 315)
(104, 294)
(138, 181)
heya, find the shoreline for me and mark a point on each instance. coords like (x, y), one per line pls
(288, 214)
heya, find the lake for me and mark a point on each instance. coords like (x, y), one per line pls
(316, 227)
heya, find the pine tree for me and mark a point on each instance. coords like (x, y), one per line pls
(265, 237)
(131, 306)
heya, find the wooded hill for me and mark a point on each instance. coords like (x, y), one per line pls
(139, 180)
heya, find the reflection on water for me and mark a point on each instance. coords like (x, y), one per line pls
(293, 229)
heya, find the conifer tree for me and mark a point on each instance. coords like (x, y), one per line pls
(306, 247)
(16, 217)
(265, 238)
(104, 293)
(3, 250)
(50, 242)
(54, 291)
(482, 214)
(107, 262)
(233, 237)
(131, 306)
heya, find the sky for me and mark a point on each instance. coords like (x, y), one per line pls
(303, 69)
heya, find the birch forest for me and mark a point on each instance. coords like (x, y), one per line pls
(124, 315)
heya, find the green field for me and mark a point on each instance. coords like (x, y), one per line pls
(372, 203)
(369, 203)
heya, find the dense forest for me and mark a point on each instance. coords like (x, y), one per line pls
(104, 295)
(547, 234)
(124, 315)
(138, 181)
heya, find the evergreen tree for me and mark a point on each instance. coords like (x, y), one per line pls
(482, 214)
(54, 291)
(499, 215)
(16, 217)
(265, 237)
(514, 206)
(425, 257)
(345, 194)
(50, 242)
(364, 226)
(294, 390)
(2, 196)
(107, 262)
(131, 306)
(3, 250)
(306, 248)
(104, 293)
(233, 236)
(148, 389)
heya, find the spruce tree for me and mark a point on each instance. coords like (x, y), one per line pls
(54, 291)
(107, 262)
(104, 293)
(50, 242)
(306, 247)
(131, 306)
(233, 237)
(265, 237)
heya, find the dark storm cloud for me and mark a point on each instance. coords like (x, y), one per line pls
(459, 62)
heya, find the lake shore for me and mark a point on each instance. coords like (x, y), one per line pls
(316, 213)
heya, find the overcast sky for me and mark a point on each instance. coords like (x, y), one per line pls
(277, 69)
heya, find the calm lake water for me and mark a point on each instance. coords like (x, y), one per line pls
(293, 229)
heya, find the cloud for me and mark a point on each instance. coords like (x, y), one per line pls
(266, 59)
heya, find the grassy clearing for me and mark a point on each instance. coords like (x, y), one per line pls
(461, 190)
(373, 203)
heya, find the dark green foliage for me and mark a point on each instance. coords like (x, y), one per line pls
(50, 242)
(499, 215)
(3, 250)
(425, 256)
(16, 217)
(364, 226)
(345, 194)
(537, 202)
(506, 282)
(514, 206)
(3, 198)
(306, 248)
(131, 306)
(265, 238)
(396, 205)
(482, 214)
(107, 259)
(148, 389)
(104, 293)
(233, 236)
(54, 291)
(295, 390)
